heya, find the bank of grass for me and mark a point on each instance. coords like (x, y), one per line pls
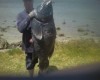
(66, 55)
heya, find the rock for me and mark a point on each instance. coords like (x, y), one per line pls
(3, 29)
(1, 34)
(3, 44)
(15, 45)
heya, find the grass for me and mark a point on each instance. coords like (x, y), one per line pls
(66, 55)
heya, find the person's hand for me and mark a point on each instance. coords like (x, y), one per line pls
(32, 13)
(31, 41)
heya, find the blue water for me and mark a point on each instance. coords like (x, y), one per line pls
(75, 13)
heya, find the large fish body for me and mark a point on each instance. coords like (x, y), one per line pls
(43, 28)
(44, 17)
(44, 11)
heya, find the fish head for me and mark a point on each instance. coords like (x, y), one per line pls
(44, 11)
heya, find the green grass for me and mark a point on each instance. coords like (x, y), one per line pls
(66, 55)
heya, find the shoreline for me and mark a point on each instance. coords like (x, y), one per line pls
(12, 35)
(15, 45)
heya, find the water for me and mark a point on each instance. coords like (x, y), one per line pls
(84, 14)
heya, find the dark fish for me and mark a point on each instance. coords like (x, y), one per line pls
(43, 18)
(45, 11)
(43, 29)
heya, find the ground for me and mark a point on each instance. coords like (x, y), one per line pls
(66, 55)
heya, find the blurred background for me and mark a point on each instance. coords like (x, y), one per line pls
(73, 18)
(78, 34)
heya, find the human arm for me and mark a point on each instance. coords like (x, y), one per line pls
(24, 21)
